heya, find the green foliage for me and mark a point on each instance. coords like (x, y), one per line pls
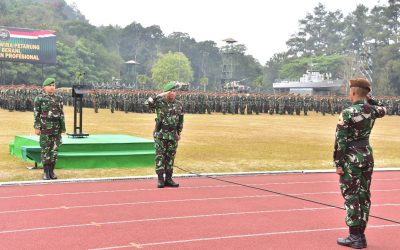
(100, 52)
(204, 82)
(326, 41)
(171, 67)
(142, 80)
(388, 72)
(365, 42)
(258, 83)
(293, 69)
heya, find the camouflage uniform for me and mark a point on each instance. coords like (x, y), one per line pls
(169, 125)
(49, 118)
(354, 154)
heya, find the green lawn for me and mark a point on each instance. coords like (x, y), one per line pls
(213, 143)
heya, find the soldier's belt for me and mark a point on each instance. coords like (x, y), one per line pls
(362, 143)
(52, 119)
(166, 128)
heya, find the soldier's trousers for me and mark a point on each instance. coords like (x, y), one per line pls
(165, 154)
(355, 187)
(49, 144)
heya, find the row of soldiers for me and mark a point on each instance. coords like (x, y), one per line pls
(199, 102)
(20, 98)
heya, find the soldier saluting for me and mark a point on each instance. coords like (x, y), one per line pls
(169, 125)
(49, 125)
(354, 160)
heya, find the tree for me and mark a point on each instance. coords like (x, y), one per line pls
(393, 16)
(377, 33)
(387, 70)
(356, 28)
(204, 82)
(258, 83)
(142, 80)
(173, 66)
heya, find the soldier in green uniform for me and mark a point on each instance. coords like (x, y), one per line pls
(169, 125)
(95, 99)
(354, 160)
(49, 125)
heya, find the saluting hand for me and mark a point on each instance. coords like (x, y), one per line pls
(37, 131)
(339, 171)
(163, 94)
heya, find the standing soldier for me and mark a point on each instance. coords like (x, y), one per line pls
(95, 99)
(49, 125)
(306, 102)
(167, 132)
(354, 160)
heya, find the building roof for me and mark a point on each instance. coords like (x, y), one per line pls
(334, 84)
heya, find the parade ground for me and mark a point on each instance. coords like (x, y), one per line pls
(212, 143)
(230, 212)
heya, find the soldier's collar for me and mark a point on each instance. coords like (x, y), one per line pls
(359, 102)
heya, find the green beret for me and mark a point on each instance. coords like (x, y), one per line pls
(169, 86)
(49, 81)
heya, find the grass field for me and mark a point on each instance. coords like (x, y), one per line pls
(213, 143)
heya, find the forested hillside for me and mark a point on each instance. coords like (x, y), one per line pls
(100, 52)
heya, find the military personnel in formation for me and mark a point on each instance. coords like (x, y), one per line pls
(272, 104)
(298, 104)
(242, 104)
(224, 104)
(354, 160)
(49, 124)
(20, 98)
(167, 132)
(307, 104)
(112, 101)
(398, 105)
(95, 100)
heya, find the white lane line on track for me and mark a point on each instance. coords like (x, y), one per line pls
(63, 207)
(240, 236)
(97, 224)
(165, 218)
(197, 187)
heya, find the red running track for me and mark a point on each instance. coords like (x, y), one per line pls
(202, 214)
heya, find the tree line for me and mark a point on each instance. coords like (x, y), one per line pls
(364, 42)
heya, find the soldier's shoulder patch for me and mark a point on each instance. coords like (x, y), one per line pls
(341, 121)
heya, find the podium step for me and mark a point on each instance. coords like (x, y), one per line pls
(98, 151)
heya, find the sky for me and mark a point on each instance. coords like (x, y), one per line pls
(263, 26)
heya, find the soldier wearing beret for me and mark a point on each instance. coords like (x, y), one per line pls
(354, 160)
(49, 125)
(169, 124)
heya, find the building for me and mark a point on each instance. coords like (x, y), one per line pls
(312, 83)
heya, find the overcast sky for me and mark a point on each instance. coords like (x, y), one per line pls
(262, 26)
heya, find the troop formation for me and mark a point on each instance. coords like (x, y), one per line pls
(20, 98)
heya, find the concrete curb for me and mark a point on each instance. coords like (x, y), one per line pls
(146, 177)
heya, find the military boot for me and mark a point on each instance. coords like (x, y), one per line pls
(46, 172)
(364, 239)
(161, 182)
(354, 240)
(51, 171)
(168, 179)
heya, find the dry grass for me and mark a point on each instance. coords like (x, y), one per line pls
(214, 143)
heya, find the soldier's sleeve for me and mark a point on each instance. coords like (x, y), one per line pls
(62, 117)
(379, 108)
(153, 102)
(36, 112)
(341, 137)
